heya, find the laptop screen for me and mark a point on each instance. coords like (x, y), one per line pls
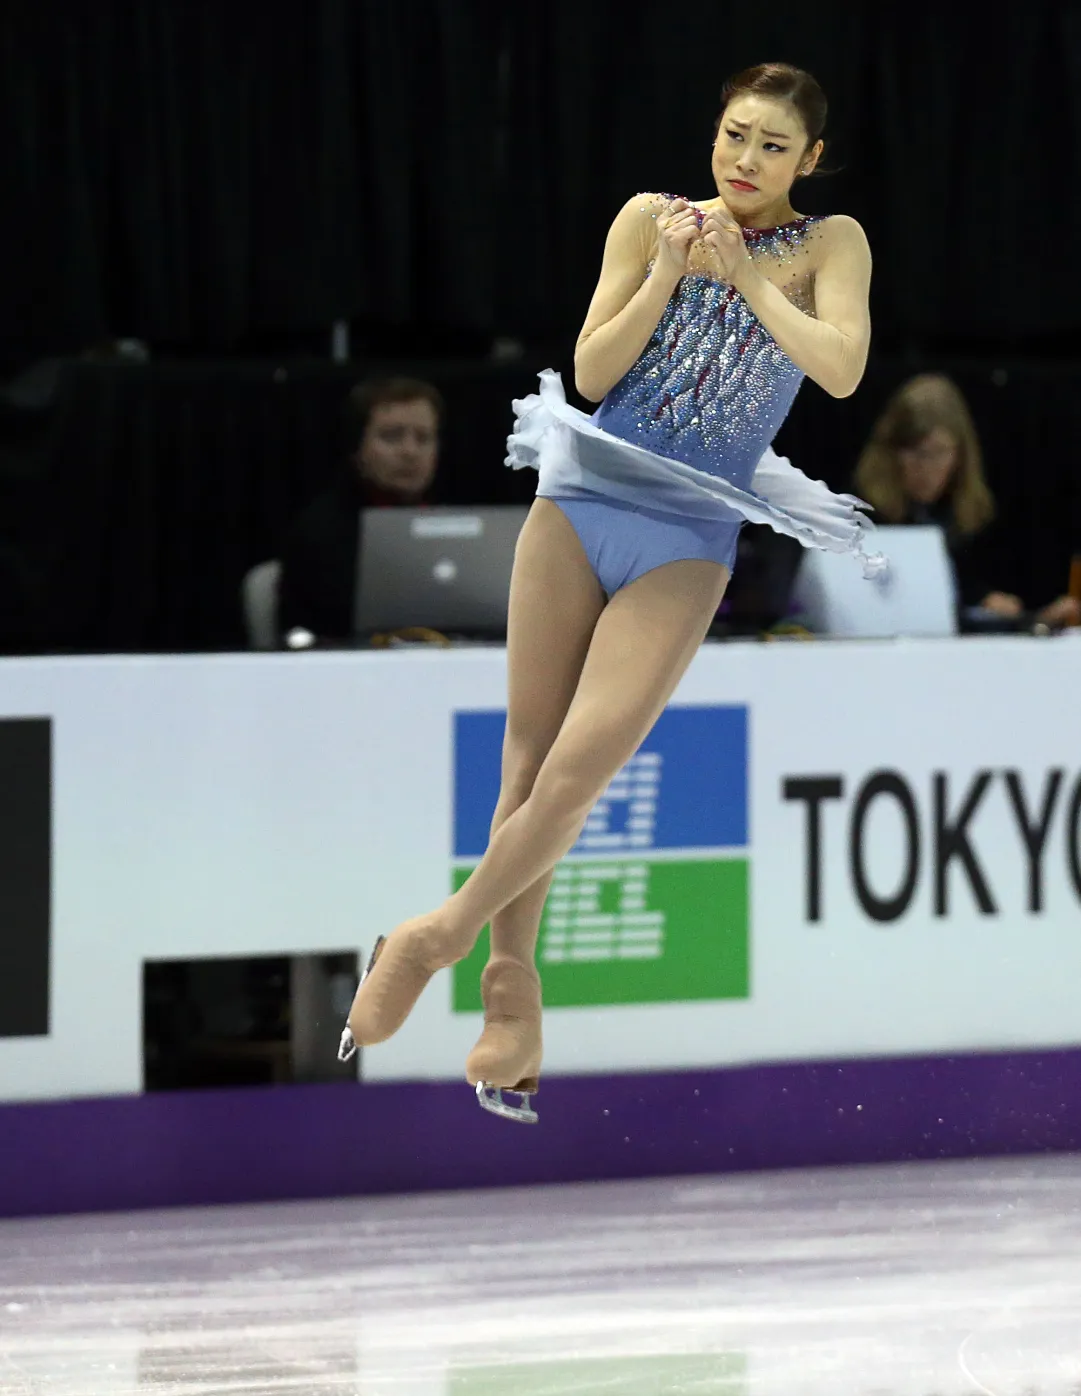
(916, 595)
(445, 568)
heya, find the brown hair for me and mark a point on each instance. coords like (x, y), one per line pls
(927, 401)
(377, 392)
(786, 84)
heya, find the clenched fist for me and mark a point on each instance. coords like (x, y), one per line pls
(724, 237)
(678, 230)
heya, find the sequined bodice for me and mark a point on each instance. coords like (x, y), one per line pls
(712, 386)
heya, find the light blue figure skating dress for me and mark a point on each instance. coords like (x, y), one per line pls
(678, 455)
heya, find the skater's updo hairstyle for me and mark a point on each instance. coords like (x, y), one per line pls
(783, 83)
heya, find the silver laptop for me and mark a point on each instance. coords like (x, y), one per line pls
(915, 596)
(446, 568)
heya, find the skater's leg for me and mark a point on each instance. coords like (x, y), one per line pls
(643, 642)
(555, 600)
(547, 642)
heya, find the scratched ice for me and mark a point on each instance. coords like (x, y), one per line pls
(923, 1280)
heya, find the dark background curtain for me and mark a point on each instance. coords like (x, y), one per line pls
(224, 181)
(201, 174)
(185, 173)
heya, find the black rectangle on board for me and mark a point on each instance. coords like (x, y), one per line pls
(25, 875)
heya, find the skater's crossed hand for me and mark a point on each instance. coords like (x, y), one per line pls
(678, 229)
(682, 225)
(724, 238)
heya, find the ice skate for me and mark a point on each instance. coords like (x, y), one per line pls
(348, 1045)
(507, 1056)
(397, 974)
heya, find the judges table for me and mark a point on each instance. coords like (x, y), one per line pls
(861, 856)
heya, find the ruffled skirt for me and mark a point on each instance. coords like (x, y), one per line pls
(571, 454)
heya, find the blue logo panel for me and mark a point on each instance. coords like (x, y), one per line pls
(686, 787)
(478, 752)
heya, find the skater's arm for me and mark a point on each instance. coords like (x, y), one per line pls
(831, 346)
(627, 305)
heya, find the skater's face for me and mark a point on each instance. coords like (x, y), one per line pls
(927, 467)
(400, 447)
(761, 147)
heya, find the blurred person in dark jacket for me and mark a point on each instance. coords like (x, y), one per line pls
(393, 427)
(923, 465)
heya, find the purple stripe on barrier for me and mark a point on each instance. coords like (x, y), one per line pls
(203, 1147)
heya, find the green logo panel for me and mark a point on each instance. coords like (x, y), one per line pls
(625, 931)
(707, 1374)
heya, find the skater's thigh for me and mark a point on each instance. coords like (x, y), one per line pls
(555, 601)
(640, 649)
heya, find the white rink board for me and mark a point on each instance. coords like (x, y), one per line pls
(245, 804)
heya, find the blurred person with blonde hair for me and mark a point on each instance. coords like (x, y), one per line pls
(923, 465)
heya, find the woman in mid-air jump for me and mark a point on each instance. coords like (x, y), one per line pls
(705, 320)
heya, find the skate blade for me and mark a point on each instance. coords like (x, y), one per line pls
(347, 1046)
(372, 958)
(490, 1098)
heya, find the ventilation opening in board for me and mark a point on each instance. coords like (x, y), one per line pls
(245, 1021)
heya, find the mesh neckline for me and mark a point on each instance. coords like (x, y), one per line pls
(782, 227)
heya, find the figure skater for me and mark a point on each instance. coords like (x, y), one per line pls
(705, 319)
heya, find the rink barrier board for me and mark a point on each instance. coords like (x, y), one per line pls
(270, 1143)
(812, 856)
